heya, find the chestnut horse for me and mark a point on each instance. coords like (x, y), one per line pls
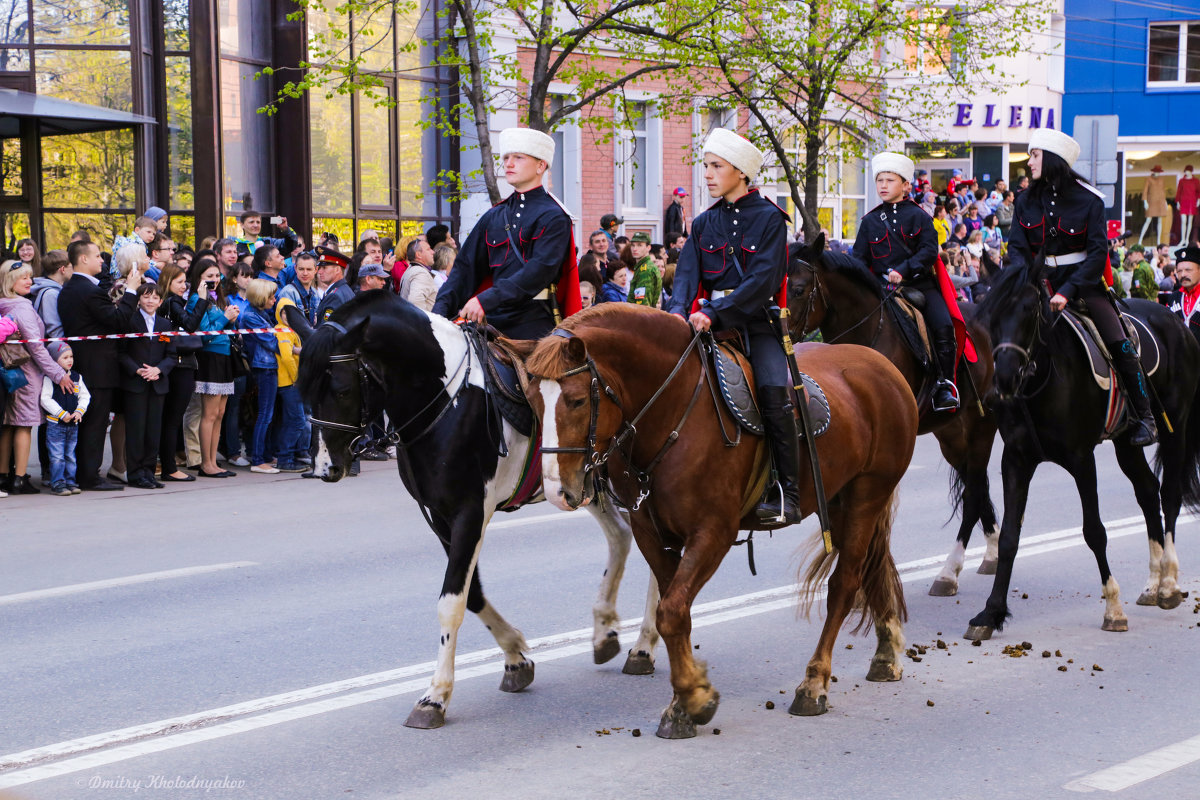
(833, 292)
(618, 388)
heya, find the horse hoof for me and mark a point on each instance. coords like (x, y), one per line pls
(1115, 625)
(1148, 598)
(987, 567)
(978, 633)
(425, 717)
(676, 724)
(639, 663)
(707, 711)
(807, 706)
(608, 650)
(517, 676)
(943, 587)
(882, 671)
(1169, 601)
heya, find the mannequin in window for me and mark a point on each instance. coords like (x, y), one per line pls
(1154, 198)
(1187, 197)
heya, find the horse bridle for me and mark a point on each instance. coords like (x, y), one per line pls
(393, 432)
(1029, 364)
(819, 287)
(596, 461)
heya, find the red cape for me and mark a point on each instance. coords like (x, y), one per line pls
(963, 339)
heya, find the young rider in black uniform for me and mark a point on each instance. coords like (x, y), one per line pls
(1064, 214)
(518, 248)
(734, 264)
(898, 244)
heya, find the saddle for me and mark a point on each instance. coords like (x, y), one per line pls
(735, 385)
(505, 381)
(907, 311)
(1099, 359)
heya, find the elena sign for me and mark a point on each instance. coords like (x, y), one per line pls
(1017, 116)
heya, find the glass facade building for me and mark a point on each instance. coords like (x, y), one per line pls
(192, 71)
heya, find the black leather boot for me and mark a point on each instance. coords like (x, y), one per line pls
(779, 421)
(1129, 372)
(945, 393)
(6, 482)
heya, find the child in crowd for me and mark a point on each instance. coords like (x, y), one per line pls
(63, 410)
(294, 433)
(146, 362)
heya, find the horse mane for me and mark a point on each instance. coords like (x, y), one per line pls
(849, 267)
(1006, 287)
(317, 350)
(550, 358)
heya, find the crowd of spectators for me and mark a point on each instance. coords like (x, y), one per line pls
(209, 386)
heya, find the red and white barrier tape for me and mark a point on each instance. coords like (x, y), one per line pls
(144, 334)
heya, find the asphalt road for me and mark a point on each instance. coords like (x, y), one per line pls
(265, 637)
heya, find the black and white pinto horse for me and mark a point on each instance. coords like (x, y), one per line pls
(457, 458)
(1050, 408)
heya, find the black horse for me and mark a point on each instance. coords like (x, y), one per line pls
(457, 458)
(1050, 408)
(833, 292)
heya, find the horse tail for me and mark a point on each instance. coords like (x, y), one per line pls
(1191, 456)
(881, 586)
(958, 488)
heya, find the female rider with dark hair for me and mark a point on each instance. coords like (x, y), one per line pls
(1062, 215)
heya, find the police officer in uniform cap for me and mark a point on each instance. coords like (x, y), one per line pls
(898, 244)
(734, 264)
(1183, 300)
(331, 268)
(1064, 214)
(518, 249)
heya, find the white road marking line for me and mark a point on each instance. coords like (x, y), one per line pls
(1142, 768)
(145, 577)
(127, 743)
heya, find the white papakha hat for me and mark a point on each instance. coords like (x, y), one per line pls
(527, 141)
(1057, 142)
(737, 150)
(898, 163)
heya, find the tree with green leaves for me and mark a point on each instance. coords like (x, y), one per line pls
(810, 70)
(506, 54)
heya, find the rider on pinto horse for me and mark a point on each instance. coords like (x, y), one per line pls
(517, 271)
(898, 243)
(730, 275)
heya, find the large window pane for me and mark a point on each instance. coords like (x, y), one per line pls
(1193, 53)
(183, 229)
(14, 22)
(88, 170)
(852, 211)
(854, 179)
(1164, 53)
(408, 147)
(97, 77)
(179, 132)
(373, 38)
(341, 228)
(14, 60)
(12, 181)
(103, 228)
(245, 28)
(81, 21)
(332, 159)
(14, 226)
(374, 154)
(245, 139)
(175, 23)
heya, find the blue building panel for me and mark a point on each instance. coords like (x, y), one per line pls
(1105, 72)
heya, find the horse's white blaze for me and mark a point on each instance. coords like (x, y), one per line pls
(551, 481)
(454, 348)
(322, 462)
(954, 563)
(1112, 600)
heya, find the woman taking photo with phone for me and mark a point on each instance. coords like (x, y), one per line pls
(214, 373)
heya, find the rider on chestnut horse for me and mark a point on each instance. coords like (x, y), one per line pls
(897, 243)
(517, 267)
(730, 275)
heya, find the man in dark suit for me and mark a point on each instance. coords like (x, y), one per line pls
(86, 310)
(1187, 276)
(145, 364)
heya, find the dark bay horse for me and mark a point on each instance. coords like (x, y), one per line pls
(834, 293)
(1050, 408)
(459, 461)
(597, 375)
